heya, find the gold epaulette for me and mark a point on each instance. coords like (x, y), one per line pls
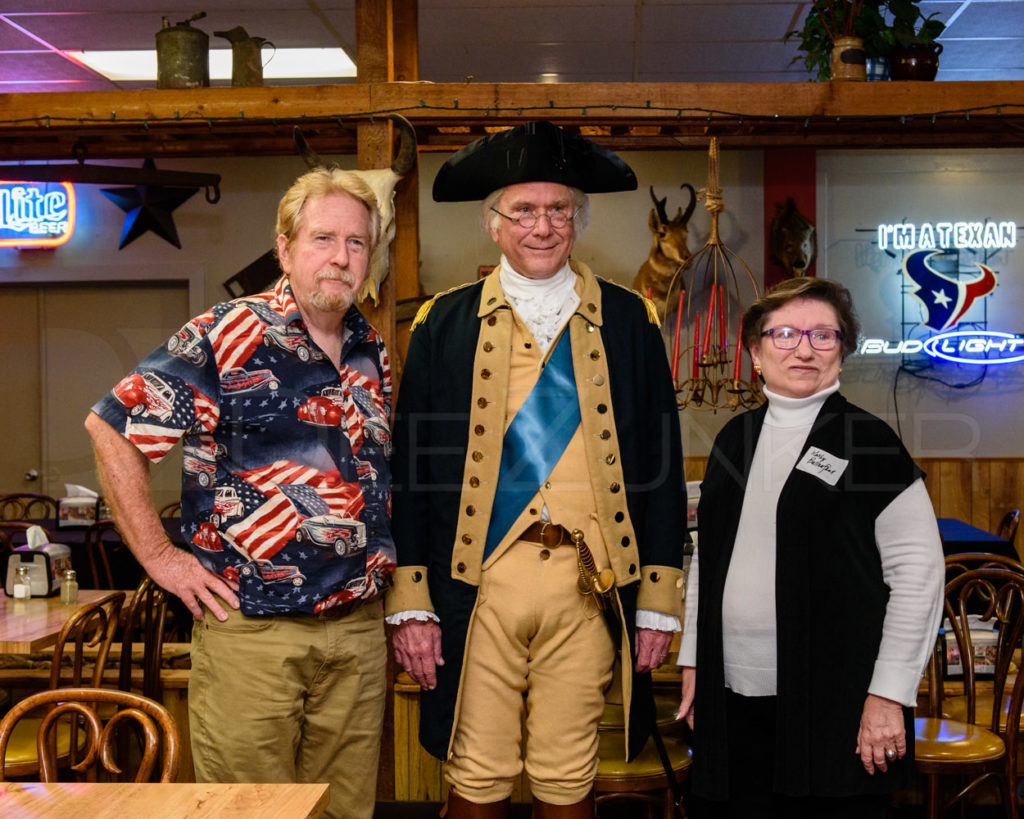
(652, 311)
(421, 314)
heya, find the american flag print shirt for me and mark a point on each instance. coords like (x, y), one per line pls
(286, 479)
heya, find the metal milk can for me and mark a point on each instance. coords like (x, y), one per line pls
(182, 55)
(246, 56)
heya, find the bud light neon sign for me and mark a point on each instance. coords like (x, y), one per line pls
(36, 214)
(986, 347)
(945, 301)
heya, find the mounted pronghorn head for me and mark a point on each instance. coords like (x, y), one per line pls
(668, 250)
(382, 181)
(670, 234)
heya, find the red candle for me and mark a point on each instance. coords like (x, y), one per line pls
(721, 319)
(707, 326)
(675, 338)
(739, 352)
(696, 344)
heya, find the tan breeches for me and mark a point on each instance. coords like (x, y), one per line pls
(532, 633)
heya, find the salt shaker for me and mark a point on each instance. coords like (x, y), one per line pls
(69, 588)
(22, 584)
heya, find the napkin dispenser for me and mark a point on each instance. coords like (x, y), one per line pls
(46, 567)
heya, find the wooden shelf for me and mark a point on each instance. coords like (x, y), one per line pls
(624, 116)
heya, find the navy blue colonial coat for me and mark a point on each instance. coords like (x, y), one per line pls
(623, 384)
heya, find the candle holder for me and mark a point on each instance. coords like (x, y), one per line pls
(707, 285)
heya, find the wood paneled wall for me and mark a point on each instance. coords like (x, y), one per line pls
(976, 490)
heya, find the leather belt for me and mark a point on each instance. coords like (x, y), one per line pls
(547, 534)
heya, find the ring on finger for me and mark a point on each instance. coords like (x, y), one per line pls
(890, 754)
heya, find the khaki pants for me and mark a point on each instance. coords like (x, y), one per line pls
(532, 633)
(291, 699)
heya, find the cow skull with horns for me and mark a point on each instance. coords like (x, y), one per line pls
(382, 181)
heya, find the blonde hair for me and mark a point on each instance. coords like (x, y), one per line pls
(321, 182)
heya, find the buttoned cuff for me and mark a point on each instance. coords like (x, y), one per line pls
(408, 591)
(661, 589)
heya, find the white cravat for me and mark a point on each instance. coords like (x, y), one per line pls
(545, 305)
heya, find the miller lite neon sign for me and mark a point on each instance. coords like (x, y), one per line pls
(36, 214)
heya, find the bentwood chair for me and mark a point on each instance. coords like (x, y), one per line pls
(641, 782)
(144, 621)
(171, 510)
(28, 506)
(980, 743)
(1008, 528)
(77, 707)
(92, 627)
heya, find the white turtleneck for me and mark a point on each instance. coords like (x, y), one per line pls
(545, 305)
(907, 538)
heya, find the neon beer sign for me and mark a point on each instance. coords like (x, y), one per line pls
(36, 214)
(948, 236)
(945, 300)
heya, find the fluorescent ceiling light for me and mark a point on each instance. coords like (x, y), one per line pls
(283, 64)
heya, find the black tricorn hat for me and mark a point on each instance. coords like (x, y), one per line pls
(532, 152)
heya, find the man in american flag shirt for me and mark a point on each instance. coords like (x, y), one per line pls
(282, 402)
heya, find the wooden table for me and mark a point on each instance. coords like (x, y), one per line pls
(27, 626)
(21, 800)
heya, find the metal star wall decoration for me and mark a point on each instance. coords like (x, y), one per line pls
(148, 207)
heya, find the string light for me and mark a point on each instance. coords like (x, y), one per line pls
(586, 110)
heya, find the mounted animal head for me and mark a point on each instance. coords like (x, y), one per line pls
(793, 241)
(668, 251)
(383, 182)
(670, 234)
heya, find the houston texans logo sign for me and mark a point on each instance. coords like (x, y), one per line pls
(945, 300)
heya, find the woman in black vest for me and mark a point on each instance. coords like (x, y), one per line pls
(815, 600)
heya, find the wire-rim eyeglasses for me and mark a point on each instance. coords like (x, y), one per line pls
(528, 220)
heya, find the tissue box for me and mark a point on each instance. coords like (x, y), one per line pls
(983, 640)
(46, 567)
(77, 512)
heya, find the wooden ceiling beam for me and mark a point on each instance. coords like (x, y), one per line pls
(258, 121)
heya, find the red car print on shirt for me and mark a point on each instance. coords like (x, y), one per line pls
(146, 393)
(239, 379)
(207, 538)
(324, 410)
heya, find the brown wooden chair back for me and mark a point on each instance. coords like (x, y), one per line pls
(171, 510)
(1008, 526)
(983, 743)
(144, 621)
(28, 506)
(160, 740)
(89, 631)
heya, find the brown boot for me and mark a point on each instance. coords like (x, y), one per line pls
(459, 808)
(584, 809)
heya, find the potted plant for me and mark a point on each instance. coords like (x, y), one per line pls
(915, 52)
(827, 25)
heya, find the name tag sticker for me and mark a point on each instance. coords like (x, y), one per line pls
(822, 465)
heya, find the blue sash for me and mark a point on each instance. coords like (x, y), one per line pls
(535, 440)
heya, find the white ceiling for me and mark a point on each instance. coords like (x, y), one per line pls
(519, 41)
